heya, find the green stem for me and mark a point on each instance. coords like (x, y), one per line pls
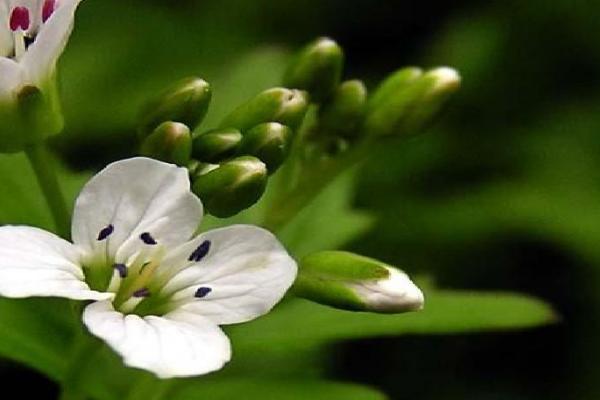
(314, 178)
(45, 171)
(84, 349)
(151, 388)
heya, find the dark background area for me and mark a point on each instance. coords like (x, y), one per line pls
(502, 193)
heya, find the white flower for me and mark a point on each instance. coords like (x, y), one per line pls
(396, 293)
(33, 34)
(160, 296)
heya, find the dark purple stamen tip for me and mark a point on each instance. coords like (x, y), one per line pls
(147, 238)
(121, 269)
(202, 292)
(106, 232)
(200, 252)
(143, 292)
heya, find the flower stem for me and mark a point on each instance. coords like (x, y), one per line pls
(84, 349)
(45, 171)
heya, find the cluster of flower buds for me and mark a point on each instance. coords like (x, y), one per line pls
(229, 165)
(402, 104)
(352, 282)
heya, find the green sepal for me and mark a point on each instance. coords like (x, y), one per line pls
(30, 117)
(269, 142)
(186, 102)
(317, 69)
(170, 142)
(231, 187)
(216, 145)
(282, 105)
(326, 278)
(343, 265)
(343, 113)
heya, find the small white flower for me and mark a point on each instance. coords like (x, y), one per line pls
(396, 293)
(160, 296)
(33, 34)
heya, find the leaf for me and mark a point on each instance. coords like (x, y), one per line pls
(300, 323)
(274, 390)
(36, 332)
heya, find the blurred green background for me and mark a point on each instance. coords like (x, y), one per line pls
(502, 193)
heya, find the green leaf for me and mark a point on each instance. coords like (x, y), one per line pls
(36, 332)
(272, 389)
(300, 323)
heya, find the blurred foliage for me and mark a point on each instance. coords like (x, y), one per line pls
(514, 161)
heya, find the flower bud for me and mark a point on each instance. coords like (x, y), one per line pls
(216, 145)
(232, 187)
(269, 142)
(170, 142)
(186, 102)
(285, 106)
(412, 104)
(316, 69)
(352, 282)
(344, 112)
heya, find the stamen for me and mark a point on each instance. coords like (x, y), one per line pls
(122, 270)
(143, 292)
(200, 252)
(202, 292)
(19, 19)
(106, 232)
(48, 9)
(147, 238)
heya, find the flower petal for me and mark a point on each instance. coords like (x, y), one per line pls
(34, 262)
(245, 272)
(40, 58)
(133, 197)
(11, 77)
(178, 344)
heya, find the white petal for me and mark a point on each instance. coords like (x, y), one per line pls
(247, 270)
(34, 262)
(40, 58)
(137, 195)
(178, 344)
(11, 77)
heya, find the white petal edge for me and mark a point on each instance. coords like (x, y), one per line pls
(6, 38)
(178, 344)
(40, 58)
(136, 195)
(246, 268)
(36, 263)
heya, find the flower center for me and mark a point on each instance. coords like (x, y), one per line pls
(138, 282)
(25, 24)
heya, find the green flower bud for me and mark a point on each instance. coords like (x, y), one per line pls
(352, 282)
(216, 145)
(170, 142)
(285, 106)
(394, 84)
(29, 117)
(445, 81)
(412, 105)
(269, 142)
(186, 102)
(232, 187)
(344, 112)
(316, 69)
